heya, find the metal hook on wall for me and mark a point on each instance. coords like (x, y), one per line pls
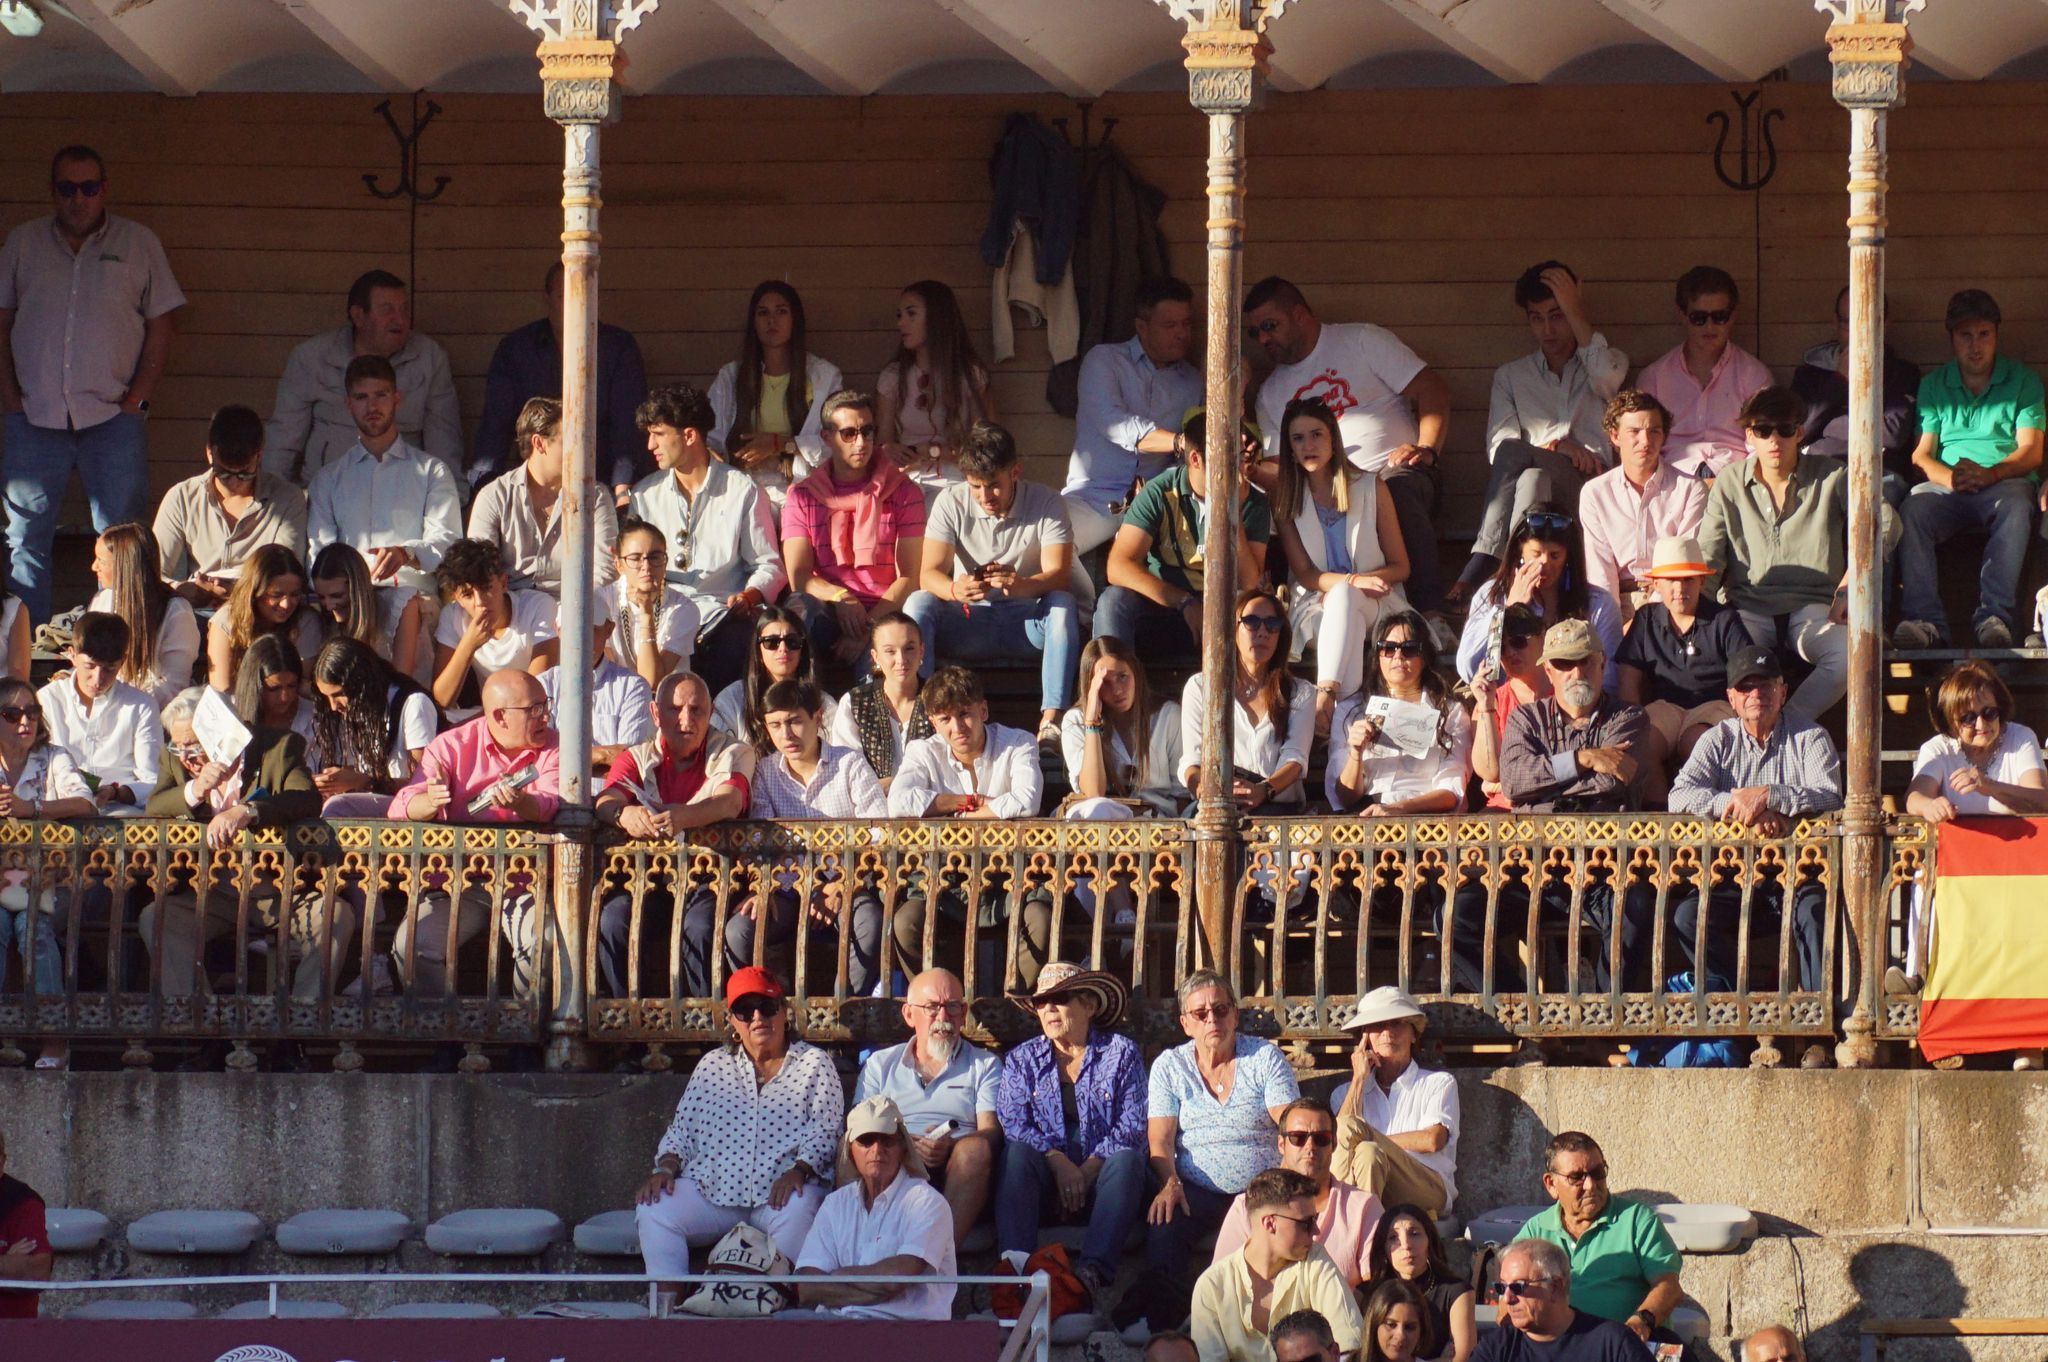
(408, 155)
(1757, 154)
(1087, 107)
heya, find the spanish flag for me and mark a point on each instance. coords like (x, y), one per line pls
(1987, 983)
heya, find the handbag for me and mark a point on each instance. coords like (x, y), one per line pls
(1069, 1294)
(744, 1252)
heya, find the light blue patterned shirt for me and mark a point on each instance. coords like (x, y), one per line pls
(1224, 1145)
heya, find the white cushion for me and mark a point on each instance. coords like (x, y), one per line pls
(589, 1310)
(1498, 1226)
(287, 1310)
(195, 1232)
(75, 1230)
(337, 1231)
(1707, 1228)
(609, 1234)
(438, 1310)
(505, 1231)
(136, 1309)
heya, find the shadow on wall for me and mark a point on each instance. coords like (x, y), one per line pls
(1896, 1281)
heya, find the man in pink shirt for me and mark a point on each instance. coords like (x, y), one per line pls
(852, 533)
(1705, 381)
(1643, 498)
(477, 773)
(1345, 1216)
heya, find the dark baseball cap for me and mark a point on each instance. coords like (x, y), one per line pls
(1972, 305)
(1746, 664)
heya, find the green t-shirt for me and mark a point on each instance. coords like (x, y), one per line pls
(1615, 1260)
(1981, 429)
(1167, 509)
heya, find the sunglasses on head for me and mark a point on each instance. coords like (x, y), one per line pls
(1260, 624)
(1547, 522)
(71, 189)
(1764, 430)
(1406, 647)
(778, 642)
(1699, 316)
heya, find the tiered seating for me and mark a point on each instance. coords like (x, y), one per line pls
(325, 1233)
(287, 1310)
(499, 1232)
(195, 1232)
(609, 1234)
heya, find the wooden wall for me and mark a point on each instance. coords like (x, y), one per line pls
(1412, 208)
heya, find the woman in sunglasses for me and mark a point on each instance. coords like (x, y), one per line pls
(1273, 713)
(754, 1140)
(1344, 550)
(1545, 570)
(1502, 686)
(268, 598)
(1385, 777)
(656, 632)
(37, 780)
(1407, 1249)
(782, 652)
(163, 633)
(385, 619)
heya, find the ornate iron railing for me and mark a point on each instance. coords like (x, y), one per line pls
(1902, 927)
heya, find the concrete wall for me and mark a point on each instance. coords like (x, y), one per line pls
(1886, 1193)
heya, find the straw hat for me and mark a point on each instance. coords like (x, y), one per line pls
(1679, 556)
(1061, 976)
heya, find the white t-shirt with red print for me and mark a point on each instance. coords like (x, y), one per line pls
(1358, 370)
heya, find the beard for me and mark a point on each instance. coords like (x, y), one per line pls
(941, 1043)
(1579, 693)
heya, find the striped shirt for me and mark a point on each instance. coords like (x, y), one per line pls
(1797, 762)
(843, 786)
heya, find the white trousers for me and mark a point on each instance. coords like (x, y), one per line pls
(683, 1219)
(1341, 621)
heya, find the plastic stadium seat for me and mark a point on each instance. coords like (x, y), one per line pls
(589, 1310)
(1707, 1228)
(506, 1231)
(1448, 1227)
(195, 1232)
(330, 1232)
(1499, 1226)
(74, 1230)
(287, 1310)
(609, 1234)
(136, 1309)
(1072, 1330)
(438, 1310)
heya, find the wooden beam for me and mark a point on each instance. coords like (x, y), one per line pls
(321, 25)
(1446, 29)
(1057, 43)
(765, 19)
(101, 17)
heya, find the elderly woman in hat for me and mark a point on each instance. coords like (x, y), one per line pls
(1674, 660)
(884, 1221)
(753, 1139)
(1397, 1122)
(1072, 1108)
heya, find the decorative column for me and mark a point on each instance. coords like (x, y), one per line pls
(1226, 63)
(578, 53)
(1868, 44)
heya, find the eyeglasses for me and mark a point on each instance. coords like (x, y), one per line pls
(1514, 1291)
(71, 189)
(746, 1009)
(244, 476)
(1260, 624)
(1990, 718)
(636, 560)
(780, 642)
(1300, 1139)
(1060, 999)
(1401, 648)
(1216, 1010)
(851, 433)
(538, 709)
(188, 751)
(956, 1008)
(1719, 316)
(1547, 522)
(871, 1140)
(1581, 1176)
(1783, 430)
(1307, 1222)
(15, 714)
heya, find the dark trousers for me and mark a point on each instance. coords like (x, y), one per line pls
(721, 656)
(1767, 902)
(863, 954)
(1596, 910)
(1027, 1197)
(1416, 492)
(991, 935)
(1154, 630)
(1168, 1284)
(615, 963)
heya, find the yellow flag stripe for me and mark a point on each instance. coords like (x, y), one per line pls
(1988, 938)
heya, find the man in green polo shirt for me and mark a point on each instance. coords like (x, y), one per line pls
(1982, 416)
(1624, 1265)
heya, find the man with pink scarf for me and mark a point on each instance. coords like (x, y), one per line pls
(852, 533)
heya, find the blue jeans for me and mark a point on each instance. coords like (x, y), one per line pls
(1027, 1195)
(1766, 905)
(1154, 630)
(1933, 515)
(111, 459)
(48, 962)
(1006, 631)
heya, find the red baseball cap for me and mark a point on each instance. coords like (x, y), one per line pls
(752, 979)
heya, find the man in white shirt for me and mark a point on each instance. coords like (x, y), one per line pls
(621, 701)
(1397, 1122)
(720, 529)
(884, 1221)
(109, 728)
(946, 1087)
(997, 576)
(311, 426)
(1133, 397)
(1543, 426)
(393, 504)
(971, 768)
(522, 509)
(1369, 379)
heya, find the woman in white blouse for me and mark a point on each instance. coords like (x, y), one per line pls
(38, 779)
(754, 1139)
(1337, 528)
(1272, 713)
(767, 401)
(163, 633)
(1121, 751)
(656, 632)
(1386, 780)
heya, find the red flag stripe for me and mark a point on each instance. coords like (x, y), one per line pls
(1976, 1026)
(1992, 846)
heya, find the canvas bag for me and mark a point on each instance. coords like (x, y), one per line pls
(744, 1252)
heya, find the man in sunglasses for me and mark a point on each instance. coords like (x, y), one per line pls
(1705, 381)
(1982, 417)
(1622, 1265)
(1345, 1216)
(209, 523)
(1280, 1269)
(85, 329)
(884, 1221)
(1540, 1323)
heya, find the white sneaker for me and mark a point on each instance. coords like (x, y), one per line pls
(381, 983)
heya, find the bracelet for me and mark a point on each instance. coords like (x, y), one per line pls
(1092, 728)
(1648, 1317)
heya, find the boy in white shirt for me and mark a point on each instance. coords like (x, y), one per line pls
(109, 728)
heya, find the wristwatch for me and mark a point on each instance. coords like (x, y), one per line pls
(1648, 1317)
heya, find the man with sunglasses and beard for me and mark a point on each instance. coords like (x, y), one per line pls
(1540, 1323)
(85, 329)
(1281, 1269)
(1621, 1263)
(1345, 1216)
(1705, 381)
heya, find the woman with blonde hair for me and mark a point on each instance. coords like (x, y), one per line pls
(268, 598)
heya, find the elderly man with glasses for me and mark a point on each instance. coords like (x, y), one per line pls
(1619, 1260)
(1397, 1122)
(1541, 1323)
(946, 1087)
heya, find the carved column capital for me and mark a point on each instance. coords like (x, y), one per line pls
(1870, 47)
(1227, 51)
(576, 80)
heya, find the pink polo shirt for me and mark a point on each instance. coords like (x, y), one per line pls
(1706, 425)
(1344, 1229)
(1621, 524)
(854, 544)
(470, 762)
